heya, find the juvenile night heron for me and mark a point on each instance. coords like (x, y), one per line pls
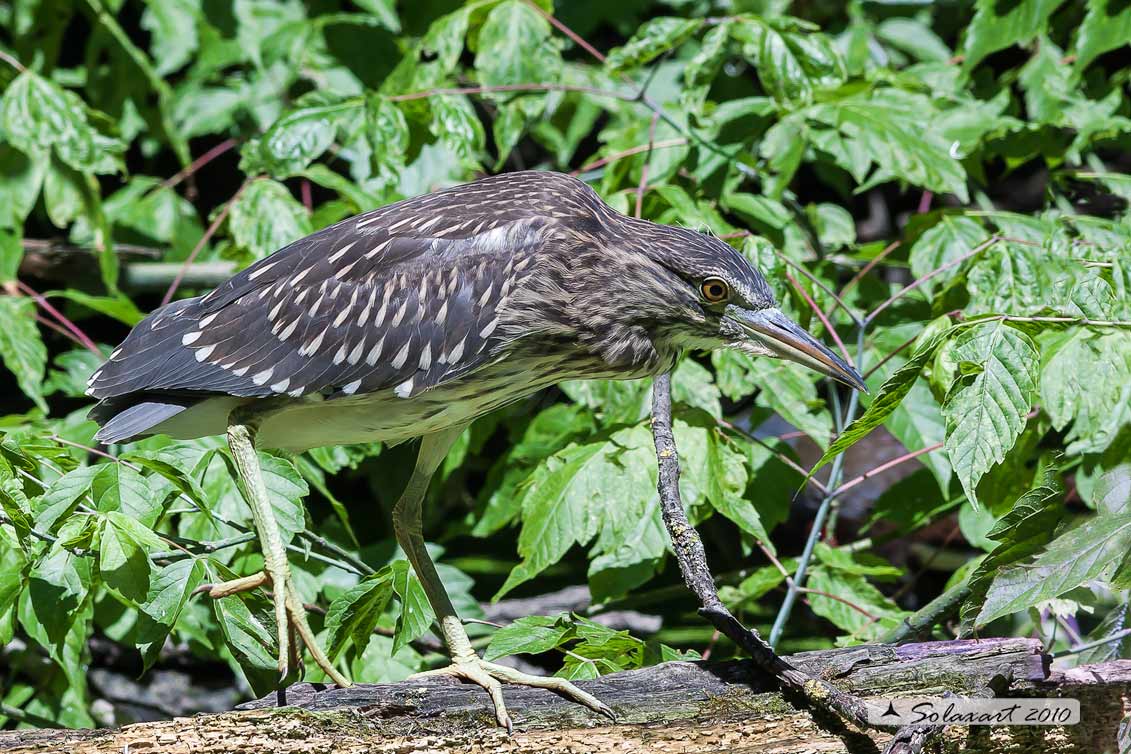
(413, 319)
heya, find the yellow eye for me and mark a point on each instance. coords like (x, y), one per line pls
(714, 290)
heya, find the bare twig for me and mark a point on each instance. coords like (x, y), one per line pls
(818, 694)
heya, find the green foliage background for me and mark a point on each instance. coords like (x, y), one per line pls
(969, 151)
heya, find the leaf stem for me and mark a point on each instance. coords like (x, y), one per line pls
(822, 510)
(71, 327)
(208, 233)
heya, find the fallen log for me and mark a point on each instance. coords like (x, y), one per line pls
(674, 707)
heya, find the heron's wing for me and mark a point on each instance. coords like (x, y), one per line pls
(406, 296)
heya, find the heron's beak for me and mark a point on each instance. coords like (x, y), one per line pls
(786, 340)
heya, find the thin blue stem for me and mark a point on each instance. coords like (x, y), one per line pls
(822, 511)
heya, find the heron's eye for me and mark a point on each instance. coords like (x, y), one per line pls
(715, 290)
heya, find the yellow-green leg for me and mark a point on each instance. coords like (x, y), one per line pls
(289, 611)
(466, 664)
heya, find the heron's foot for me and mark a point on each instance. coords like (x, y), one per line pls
(491, 677)
(290, 618)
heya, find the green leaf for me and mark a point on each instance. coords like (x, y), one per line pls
(884, 129)
(1106, 27)
(888, 397)
(170, 588)
(834, 224)
(286, 488)
(62, 496)
(782, 386)
(862, 610)
(386, 133)
(37, 115)
(651, 40)
(1094, 405)
(602, 486)
(531, 635)
(355, 613)
(250, 640)
(384, 11)
(172, 28)
(416, 613)
(791, 64)
(21, 347)
(949, 239)
(997, 25)
(1088, 552)
(457, 126)
(296, 139)
(516, 46)
(120, 487)
(123, 555)
(57, 585)
(118, 307)
(914, 37)
(985, 414)
(265, 218)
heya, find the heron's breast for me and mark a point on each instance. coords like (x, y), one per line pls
(385, 417)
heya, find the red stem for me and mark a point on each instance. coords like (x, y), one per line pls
(915, 284)
(211, 231)
(577, 38)
(666, 143)
(821, 316)
(199, 162)
(74, 329)
(885, 466)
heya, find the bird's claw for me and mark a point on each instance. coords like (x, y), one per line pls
(491, 677)
(292, 625)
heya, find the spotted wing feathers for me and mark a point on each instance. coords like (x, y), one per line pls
(405, 297)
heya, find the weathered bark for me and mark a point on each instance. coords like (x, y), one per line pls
(675, 707)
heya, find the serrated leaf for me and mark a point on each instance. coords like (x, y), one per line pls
(386, 132)
(457, 126)
(601, 487)
(170, 588)
(792, 64)
(172, 27)
(890, 394)
(516, 46)
(998, 25)
(1106, 27)
(1090, 551)
(286, 488)
(123, 555)
(652, 39)
(22, 348)
(37, 115)
(355, 613)
(265, 218)
(1093, 406)
(416, 613)
(947, 240)
(62, 496)
(985, 415)
(531, 635)
(862, 610)
(296, 139)
(882, 130)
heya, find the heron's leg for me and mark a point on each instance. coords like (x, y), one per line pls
(289, 611)
(466, 664)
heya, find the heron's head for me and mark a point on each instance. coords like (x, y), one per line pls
(713, 297)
